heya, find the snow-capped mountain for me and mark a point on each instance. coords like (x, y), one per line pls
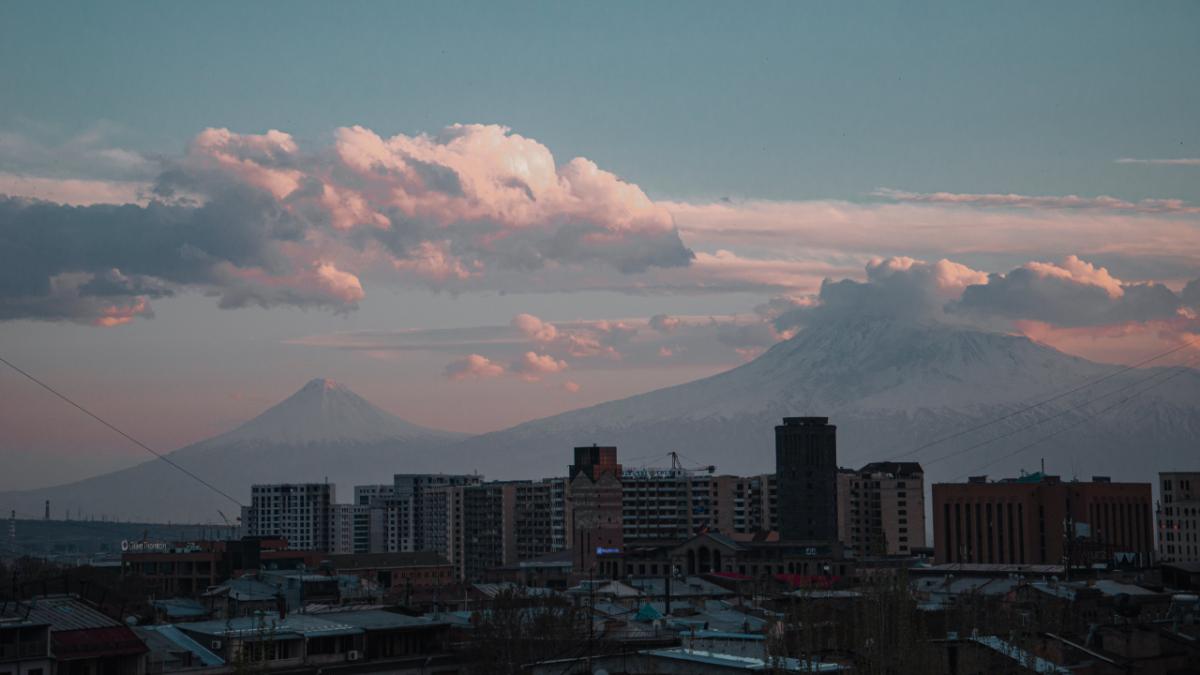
(324, 411)
(322, 432)
(891, 386)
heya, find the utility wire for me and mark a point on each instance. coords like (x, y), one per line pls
(131, 439)
(1089, 383)
(1181, 370)
(1085, 404)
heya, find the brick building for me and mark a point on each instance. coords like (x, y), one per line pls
(1040, 519)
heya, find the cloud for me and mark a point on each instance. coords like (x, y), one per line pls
(501, 199)
(1039, 201)
(898, 287)
(473, 366)
(324, 285)
(259, 219)
(663, 323)
(1072, 293)
(570, 387)
(73, 191)
(1177, 161)
(532, 366)
(802, 237)
(534, 328)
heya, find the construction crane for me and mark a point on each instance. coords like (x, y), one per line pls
(677, 465)
(231, 526)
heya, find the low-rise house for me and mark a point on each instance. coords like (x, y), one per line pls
(84, 640)
(24, 643)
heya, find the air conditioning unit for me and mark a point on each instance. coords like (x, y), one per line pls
(353, 655)
(215, 645)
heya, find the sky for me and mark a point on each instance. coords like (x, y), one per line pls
(476, 214)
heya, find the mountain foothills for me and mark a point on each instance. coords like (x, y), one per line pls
(323, 431)
(890, 385)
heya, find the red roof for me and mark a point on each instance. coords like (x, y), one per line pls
(733, 575)
(93, 642)
(807, 581)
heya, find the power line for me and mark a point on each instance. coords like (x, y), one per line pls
(131, 439)
(1181, 370)
(1018, 430)
(1085, 385)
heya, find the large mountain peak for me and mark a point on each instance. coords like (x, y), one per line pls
(324, 411)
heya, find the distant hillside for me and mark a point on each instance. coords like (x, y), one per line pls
(323, 431)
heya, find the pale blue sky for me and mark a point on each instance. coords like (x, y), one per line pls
(787, 100)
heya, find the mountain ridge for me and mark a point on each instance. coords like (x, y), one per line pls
(322, 430)
(890, 386)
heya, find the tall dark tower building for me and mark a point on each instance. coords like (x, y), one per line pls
(806, 479)
(595, 519)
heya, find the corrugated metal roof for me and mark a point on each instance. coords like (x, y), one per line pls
(747, 663)
(383, 620)
(174, 636)
(65, 613)
(293, 625)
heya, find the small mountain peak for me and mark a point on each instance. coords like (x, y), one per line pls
(320, 384)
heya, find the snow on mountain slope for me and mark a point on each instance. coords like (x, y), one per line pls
(890, 386)
(324, 411)
(322, 432)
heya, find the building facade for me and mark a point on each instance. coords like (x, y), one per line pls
(746, 504)
(594, 501)
(1039, 519)
(881, 509)
(301, 513)
(806, 475)
(1179, 516)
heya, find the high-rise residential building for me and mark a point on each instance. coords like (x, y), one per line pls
(1179, 516)
(302, 513)
(1040, 519)
(502, 522)
(342, 520)
(538, 518)
(488, 527)
(806, 475)
(594, 503)
(745, 504)
(414, 511)
(370, 519)
(881, 509)
(666, 504)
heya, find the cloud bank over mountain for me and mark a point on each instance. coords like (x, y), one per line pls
(264, 220)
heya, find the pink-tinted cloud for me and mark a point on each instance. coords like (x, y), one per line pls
(532, 366)
(534, 328)
(1102, 202)
(74, 191)
(1176, 161)
(664, 323)
(321, 284)
(432, 260)
(1079, 271)
(570, 387)
(1127, 342)
(473, 366)
(824, 231)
